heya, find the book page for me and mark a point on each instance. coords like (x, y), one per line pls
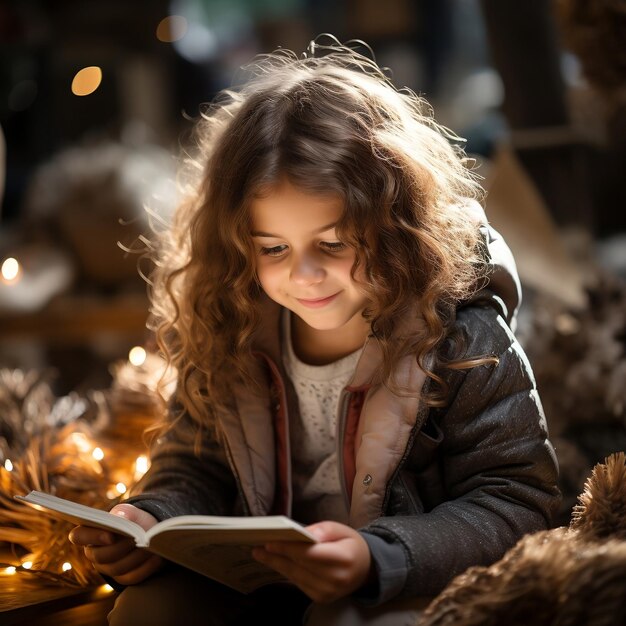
(268, 522)
(80, 514)
(223, 554)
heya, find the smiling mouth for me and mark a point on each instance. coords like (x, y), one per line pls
(318, 302)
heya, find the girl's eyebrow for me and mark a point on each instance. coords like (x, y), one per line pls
(260, 233)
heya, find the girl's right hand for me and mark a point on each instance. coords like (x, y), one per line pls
(116, 555)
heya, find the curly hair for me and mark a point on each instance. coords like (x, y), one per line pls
(326, 121)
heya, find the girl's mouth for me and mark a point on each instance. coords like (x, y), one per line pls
(318, 303)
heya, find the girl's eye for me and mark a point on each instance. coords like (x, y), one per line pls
(334, 246)
(273, 251)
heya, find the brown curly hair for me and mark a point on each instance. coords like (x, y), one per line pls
(329, 120)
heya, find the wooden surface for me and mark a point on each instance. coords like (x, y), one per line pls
(26, 601)
(76, 319)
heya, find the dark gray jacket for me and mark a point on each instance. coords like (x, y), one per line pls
(433, 491)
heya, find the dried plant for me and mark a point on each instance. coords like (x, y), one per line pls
(82, 448)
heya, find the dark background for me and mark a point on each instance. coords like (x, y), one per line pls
(497, 72)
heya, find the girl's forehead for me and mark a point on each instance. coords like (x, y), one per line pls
(288, 206)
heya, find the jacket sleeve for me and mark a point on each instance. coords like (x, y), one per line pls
(181, 481)
(498, 468)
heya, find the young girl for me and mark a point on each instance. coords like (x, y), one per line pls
(339, 315)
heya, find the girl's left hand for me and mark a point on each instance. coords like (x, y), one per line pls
(326, 571)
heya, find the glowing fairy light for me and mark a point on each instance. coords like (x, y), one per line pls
(112, 494)
(27, 564)
(10, 570)
(8, 466)
(10, 270)
(120, 488)
(66, 567)
(107, 588)
(171, 28)
(81, 442)
(86, 81)
(97, 454)
(141, 466)
(137, 356)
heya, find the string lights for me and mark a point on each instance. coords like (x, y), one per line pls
(94, 459)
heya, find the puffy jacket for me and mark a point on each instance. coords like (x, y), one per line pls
(433, 490)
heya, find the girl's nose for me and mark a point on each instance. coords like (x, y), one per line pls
(306, 270)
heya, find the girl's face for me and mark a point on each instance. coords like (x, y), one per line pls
(302, 265)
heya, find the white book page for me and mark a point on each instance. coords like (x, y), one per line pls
(267, 522)
(82, 515)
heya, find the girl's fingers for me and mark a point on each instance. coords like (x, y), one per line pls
(283, 565)
(109, 554)
(316, 554)
(318, 587)
(147, 568)
(89, 536)
(128, 562)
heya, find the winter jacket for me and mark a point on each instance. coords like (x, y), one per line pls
(432, 490)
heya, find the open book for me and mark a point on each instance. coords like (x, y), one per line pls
(218, 547)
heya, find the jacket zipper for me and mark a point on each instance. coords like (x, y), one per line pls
(420, 418)
(342, 411)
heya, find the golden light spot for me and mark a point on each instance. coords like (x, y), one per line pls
(81, 442)
(97, 454)
(27, 564)
(10, 570)
(8, 466)
(107, 588)
(10, 270)
(66, 567)
(171, 28)
(87, 81)
(141, 466)
(137, 356)
(120, 488)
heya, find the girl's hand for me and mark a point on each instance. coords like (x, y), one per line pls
(116, 555)
(326, 571)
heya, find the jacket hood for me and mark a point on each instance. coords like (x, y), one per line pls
(504, 290)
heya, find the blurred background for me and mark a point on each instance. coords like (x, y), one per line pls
(97, 101)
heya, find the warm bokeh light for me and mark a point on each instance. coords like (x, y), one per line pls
(171, 28)
(10, 570)
(10, 269)
(66, 567)
(81, 442)
(97, 454)
(27, 564)
(120, 488)
(8, 466)
(141, 466)
(137, 356)
(107, 588)
(87, 81)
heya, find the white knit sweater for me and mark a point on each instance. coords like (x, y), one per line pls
(316, 487)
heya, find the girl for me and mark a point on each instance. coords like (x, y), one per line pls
(340, 319)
